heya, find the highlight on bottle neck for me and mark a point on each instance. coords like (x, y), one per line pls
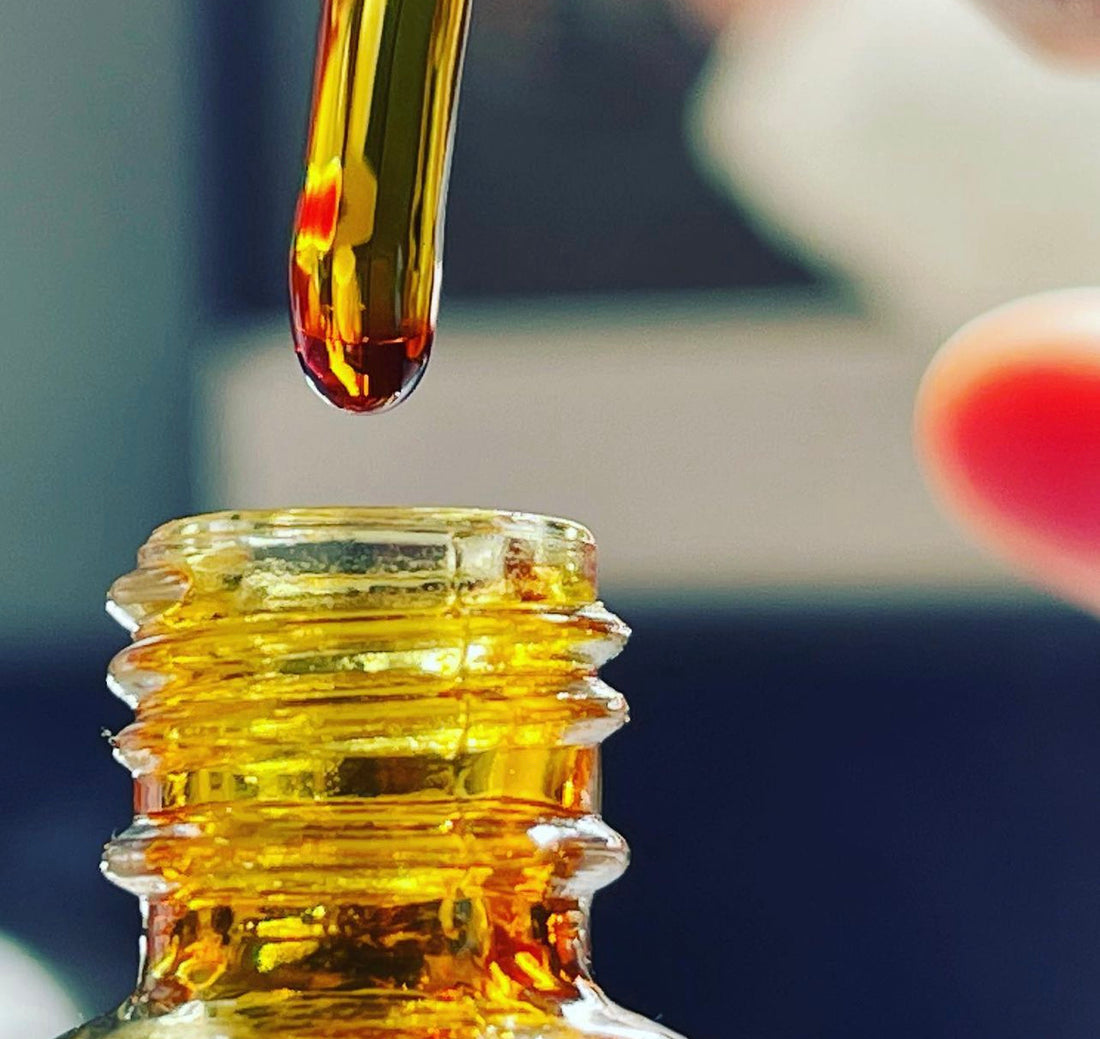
(365, 754)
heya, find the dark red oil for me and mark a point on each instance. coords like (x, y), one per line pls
(1027, 439)
(375, 374)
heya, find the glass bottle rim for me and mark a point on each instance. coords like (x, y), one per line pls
(289, 523)
(354, 561)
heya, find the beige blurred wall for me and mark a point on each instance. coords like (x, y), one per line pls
(741, 444)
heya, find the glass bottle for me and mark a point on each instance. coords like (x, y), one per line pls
(366, 767)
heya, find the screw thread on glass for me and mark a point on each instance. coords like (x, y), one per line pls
(366, 765)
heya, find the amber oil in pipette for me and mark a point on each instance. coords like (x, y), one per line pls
(368, 238)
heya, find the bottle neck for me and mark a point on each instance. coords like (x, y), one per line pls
(484, 897)
(362, 803)
(483, 943)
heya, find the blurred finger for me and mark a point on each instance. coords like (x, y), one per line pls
(1008, 431)
(1067, 29)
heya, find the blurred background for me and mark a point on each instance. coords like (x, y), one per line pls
(694, 270)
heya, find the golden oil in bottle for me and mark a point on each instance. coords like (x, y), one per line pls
(366, 764)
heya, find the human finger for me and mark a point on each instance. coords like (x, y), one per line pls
(1066, 29)
(1008, 431)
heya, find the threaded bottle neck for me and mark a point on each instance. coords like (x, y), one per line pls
(365, 755)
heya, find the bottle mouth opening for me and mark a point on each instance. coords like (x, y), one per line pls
(301, 523)
(330, 562)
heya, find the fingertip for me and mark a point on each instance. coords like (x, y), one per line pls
(1007, 432)
(1062, 33)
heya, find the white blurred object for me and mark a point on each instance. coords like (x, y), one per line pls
(32, 1004)
(912, 147)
